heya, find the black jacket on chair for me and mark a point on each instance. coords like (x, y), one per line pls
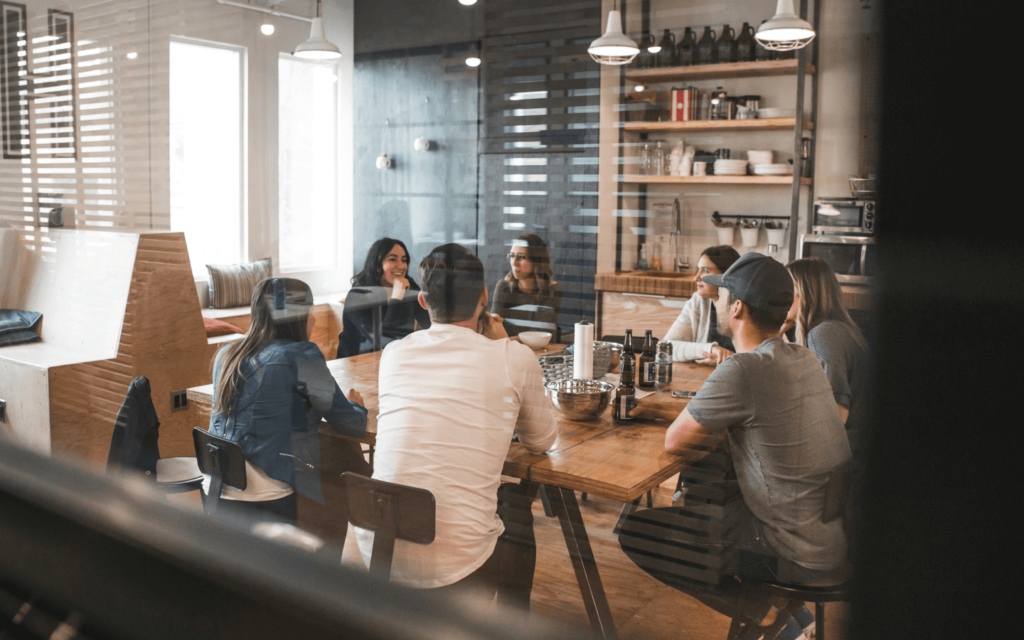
(136, 431)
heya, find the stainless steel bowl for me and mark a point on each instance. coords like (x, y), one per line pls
(579, 399)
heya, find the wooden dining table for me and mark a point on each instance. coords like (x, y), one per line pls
(597, 456)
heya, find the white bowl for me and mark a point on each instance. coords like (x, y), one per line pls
(776, 113)
(760, 157)
(772, 169)
(535, 339)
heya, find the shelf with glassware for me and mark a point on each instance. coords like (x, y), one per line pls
(765, 124)
(712, 179)
(758, 69)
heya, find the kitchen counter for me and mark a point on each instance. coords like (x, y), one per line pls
(665, 283)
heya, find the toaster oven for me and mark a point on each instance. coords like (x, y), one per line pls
(844, 215)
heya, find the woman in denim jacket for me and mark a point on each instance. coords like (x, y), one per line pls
(271, 390)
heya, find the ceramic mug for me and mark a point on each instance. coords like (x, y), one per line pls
(700, 168)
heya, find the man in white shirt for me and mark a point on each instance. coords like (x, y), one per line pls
(450, 398)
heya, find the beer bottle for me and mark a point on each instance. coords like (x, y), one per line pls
(625, 394)
(644, 379)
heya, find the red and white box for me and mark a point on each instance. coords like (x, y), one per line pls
(682, 105)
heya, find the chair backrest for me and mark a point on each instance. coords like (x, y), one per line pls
(220, 458)
(391, 511)
(134, 443)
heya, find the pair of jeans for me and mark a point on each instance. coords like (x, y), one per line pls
(741, 542)
(509, 570)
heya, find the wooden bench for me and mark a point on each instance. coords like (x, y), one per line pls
(115, 306)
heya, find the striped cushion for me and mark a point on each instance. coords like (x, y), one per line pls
(231, 285)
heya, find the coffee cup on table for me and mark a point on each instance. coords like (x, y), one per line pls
(700, 168)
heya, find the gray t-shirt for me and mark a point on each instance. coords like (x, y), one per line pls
(777, 407)
(845, 364)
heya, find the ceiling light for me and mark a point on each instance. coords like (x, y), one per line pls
(473, 61)
(132, 55)
(267, 29)
(317, 47)
(614, 47)
(639, 88)
(467, 2)
(647, 42)
(785, 31)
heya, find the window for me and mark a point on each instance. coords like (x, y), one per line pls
(307, 164)
(207, 110)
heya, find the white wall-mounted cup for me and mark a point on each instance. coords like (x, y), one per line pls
(750, 236)
(776, 236)
(726, 235)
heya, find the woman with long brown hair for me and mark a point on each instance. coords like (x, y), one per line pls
(271, 390)
(825, 327)
(529, 284)
(694, 335)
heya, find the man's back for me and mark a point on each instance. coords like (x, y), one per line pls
(786, 437)
(449, 402)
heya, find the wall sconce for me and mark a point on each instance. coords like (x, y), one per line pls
(383, 162)
(421, 144)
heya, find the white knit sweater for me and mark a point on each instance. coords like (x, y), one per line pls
(689, 333)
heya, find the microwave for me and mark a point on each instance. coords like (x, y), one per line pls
(853, 258)
(843, 215)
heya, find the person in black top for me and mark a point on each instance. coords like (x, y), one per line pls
(384, 287)
(528, 298)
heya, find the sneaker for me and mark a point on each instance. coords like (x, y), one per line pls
(791, 631)
(805, 619)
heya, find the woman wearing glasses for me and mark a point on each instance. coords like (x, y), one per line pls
(527, 298)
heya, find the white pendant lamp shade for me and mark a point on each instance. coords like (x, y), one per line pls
(614, 47)
(786, 31)
(317, 47)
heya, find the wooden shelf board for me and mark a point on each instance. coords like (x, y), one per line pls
(751, 180)
(766, 124)
(714, 71)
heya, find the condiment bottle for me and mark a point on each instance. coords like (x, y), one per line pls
(725, 47)
(745, 44)
(644, 377)
(625, 393)
(686, 50)
(706, 47)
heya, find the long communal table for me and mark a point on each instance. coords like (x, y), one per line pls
(599, 457)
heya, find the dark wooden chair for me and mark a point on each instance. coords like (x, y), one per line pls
(223, 461)
(838, 489)
(392, 512)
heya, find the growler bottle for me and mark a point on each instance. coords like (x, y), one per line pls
(667, 55)
(725, 47)
(625, 394)
(760, 53)
(745, 44)
(686, 50)
(644, 377)
(706, 47)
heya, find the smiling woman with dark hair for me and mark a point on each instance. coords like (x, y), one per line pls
(383, 284)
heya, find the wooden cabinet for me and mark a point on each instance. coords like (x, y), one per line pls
(618, 311)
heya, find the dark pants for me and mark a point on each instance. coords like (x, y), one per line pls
(284, 510)
(742, 546)
(509, 570)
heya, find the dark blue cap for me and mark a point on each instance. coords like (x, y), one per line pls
(757, 280)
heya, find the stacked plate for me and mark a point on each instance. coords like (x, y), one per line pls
(776, 113)
(772, 169)
(725, 167)
(760, 157)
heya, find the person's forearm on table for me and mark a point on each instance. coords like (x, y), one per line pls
(685, 434)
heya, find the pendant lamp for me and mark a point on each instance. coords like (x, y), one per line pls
(317, 47)
(785, 31)
(614, 47)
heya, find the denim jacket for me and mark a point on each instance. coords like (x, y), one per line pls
(286, 391)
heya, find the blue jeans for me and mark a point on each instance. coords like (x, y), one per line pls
(663, 545)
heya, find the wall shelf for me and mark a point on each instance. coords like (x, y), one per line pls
(748, 180)
(767, 124)
(716, 71)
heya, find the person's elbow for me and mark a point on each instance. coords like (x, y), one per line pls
(674, 442)
(544, 444)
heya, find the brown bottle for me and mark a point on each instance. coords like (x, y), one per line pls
(706, 47)
(686, 50)
(644, 378)
(625, 394)
(725, 46)
(745, 44)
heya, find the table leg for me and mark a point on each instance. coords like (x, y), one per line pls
(546, 503)
(627, 510)
(563, 503)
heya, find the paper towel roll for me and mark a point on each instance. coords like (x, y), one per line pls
(583, 351)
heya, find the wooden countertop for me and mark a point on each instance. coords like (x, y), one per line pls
(665, 283)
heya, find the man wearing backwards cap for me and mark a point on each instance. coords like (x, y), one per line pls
(773, 403)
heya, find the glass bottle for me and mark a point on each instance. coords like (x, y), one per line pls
(760, 53)
(645, 159)
(667, 55)
(745, 44)
(706, 47)
(656, 257)
(725, 47)
(663, 362)
(644, 377)
(686, 50)
(658, 161)
(641, 262)
(625, 394)
(645, 59)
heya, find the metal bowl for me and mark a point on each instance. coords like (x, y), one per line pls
(579, 399)
(615, 349)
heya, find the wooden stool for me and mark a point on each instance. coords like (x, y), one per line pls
(392, 512)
